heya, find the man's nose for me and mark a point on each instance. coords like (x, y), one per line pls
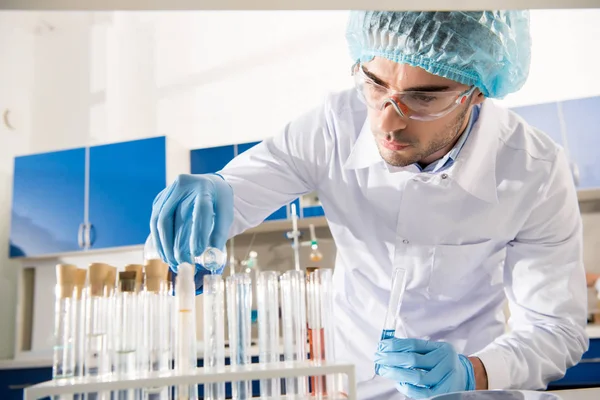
(390, 120)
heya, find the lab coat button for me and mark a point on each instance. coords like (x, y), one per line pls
(405, 241)
(444, 176)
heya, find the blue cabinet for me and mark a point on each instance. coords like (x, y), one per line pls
(312, 211)
(48, 203)
(210, 160)
(585, 374)
(13, 381)
(124, 180)
(242, 147)
(60, 204)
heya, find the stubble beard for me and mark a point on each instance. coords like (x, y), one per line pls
(414, 153)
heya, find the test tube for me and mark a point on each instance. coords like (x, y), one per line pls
(110, 282)
(173, 313)
(239, 304)
(140, 316)
(126, 331)
(321, 330)
(185, 356)
(293, 312)
(63, 365)
(80, 276)
(139, 275)
(214, 336)
(157, 326)
(267, 297)
(212, 259)
(392, 317)
(97, 360)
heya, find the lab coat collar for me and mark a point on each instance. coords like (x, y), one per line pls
(475, 167)
(364, 151)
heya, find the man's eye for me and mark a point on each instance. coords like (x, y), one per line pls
(374, 88)
(424, 98)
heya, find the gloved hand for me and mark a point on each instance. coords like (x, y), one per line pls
(422, 368)
(192, 213)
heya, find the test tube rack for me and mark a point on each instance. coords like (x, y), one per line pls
(73, 386)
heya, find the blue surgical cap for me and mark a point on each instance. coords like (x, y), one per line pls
(487, 49)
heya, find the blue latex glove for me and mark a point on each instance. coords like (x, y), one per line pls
(192, 213)
(422, 368)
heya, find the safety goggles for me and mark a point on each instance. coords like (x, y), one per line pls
(417, 105)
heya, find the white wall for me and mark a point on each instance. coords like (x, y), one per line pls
(565, 57)
(206, 79)
(16, 81)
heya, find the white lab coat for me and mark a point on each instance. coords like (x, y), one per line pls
(501, 223)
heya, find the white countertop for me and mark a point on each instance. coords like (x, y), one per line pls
(574, 394)
(593, 332)
(578, 394)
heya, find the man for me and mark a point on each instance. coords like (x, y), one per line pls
(416, 170)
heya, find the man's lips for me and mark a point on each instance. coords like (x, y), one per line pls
(394, 146)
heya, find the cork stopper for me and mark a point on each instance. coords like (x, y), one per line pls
(65, 279)
(170, 281)
(156, 273)
(139, 274)
(98, 272)
(80, 276)
(111, 279)
(127, 281)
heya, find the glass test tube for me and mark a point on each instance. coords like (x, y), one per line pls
(141, 317)
(267, 297)
(80, 277)
(212, 259)
(97, 360)
(172, 323)
(239, 304)
(321, 329)
(157, 327)
(214, 335)
(110, 282)
(293, 312)
(63, 365)
(126, 332)
(392, 317)
(185, 355)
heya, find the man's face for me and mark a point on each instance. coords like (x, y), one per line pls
(402, 141)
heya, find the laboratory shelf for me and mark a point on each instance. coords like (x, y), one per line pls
(286, 225)
(199, 376)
